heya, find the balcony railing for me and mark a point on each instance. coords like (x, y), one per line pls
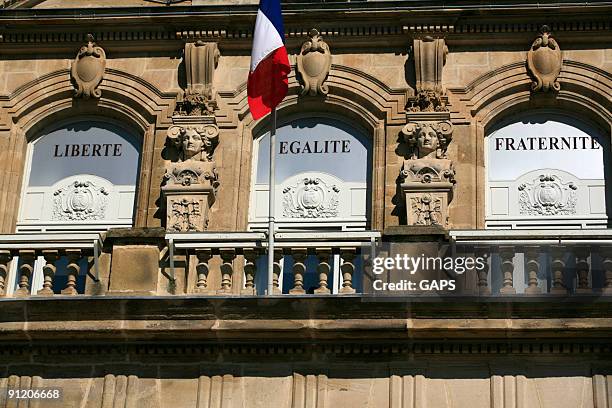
(31, 263)
(537, 262)
(518, 263)
(334, 255)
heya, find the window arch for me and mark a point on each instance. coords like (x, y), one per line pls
(80, 175)
(546, 170)
(323, 176)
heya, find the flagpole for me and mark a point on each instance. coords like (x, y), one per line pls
(271, 200)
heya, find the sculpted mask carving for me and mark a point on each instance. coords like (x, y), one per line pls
(428, 139)
(196, 145)
(544, 62)
(88, 69)
(428, 175)
(429, 59)
(428, 161)
(313, 65)
(201, 61)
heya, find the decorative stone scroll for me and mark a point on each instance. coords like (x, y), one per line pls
(547, 195)
(428, 176)
(88, 69)
(191, 182)
(201, 61)
(313, 65)
(429, 59)
(544, 62)
(311, 198)
(80, 200)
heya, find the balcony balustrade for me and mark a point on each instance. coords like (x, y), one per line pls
(518, 263)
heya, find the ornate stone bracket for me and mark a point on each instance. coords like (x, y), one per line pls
(88, 69)
(429, 59)
(544, 62)
(191, 182)
(313, 65)
(201, 61)
(428, 176)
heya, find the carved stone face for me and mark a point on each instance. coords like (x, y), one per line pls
(192, 143)
(427, 141)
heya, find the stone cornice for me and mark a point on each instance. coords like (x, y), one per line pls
(338, 352)
(367, 31)
(368, 20)
(320, 319)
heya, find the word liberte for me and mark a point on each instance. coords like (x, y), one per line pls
(89, 150)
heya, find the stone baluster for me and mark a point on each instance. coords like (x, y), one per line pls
(202, 269)
(49, 270)
(483, 273)
(276, 271)
(227, 269)
(73, 269)
(5, 258)
(582, 270)
(507, 266)
(348, 269)
(250, 271)
(532, 254)
(323, 268)
(607, 267)
(557, 266)
(25, 272)
(299, 269)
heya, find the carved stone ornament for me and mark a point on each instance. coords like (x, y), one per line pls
(429, 59)
(428, 175)
(196, 145)
(192, 181)
(428, 139)
(201, 61)
(544, 62)
(186, 214)
(311, 198)
(88, 69)
(313, 65)
(547, 195)
(427, 210)
(80, 200)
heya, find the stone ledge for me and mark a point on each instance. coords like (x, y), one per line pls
(135, 236)
(415, 233)
(299, 319)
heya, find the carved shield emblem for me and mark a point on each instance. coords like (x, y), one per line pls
(313, 65)
(544, 62)
(88, 69)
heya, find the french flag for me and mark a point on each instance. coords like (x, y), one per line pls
(268, 83)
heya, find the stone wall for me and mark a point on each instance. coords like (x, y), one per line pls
(162, 72)
(440, 384)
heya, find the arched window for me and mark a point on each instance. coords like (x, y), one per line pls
(80, 176)
(323, 173)
(546, 170)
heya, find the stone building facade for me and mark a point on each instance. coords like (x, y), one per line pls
(133, 201)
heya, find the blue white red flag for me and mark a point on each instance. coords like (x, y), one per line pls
(267, 85)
